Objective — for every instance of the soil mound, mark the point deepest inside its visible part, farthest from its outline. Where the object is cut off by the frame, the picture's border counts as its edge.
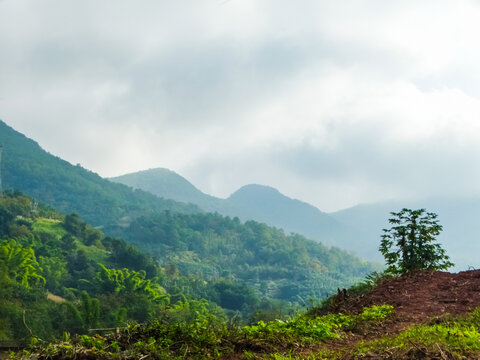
(420, 295)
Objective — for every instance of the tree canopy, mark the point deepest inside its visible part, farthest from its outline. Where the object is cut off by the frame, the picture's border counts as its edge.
(410, 244)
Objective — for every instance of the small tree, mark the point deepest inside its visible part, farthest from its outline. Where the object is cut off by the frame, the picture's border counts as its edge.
(410, 243)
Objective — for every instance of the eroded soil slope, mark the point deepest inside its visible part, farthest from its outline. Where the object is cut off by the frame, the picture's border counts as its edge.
(419, 296)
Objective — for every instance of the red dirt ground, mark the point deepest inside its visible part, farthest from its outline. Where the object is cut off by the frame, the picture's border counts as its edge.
(417, 297)
(420, 295)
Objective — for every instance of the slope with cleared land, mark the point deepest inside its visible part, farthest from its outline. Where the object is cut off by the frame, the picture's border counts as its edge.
(434, 317)
(420, 295)
(422, 301)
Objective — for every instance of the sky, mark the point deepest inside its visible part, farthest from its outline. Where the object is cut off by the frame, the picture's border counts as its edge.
(334, 103)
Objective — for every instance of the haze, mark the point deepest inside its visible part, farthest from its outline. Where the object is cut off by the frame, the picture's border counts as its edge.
(333, 103)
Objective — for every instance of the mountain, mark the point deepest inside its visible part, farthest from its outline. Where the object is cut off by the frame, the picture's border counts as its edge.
(357, 229)
(267, 204)
(63, 275)
(277, 265)
(72, 189)
(169, 185)
(251, 202)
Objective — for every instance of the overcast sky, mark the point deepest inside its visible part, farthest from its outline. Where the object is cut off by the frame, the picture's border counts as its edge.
(332, 102)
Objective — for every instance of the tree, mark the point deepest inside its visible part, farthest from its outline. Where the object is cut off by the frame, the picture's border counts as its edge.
(75, 226)
(18, 264)
(410, 243)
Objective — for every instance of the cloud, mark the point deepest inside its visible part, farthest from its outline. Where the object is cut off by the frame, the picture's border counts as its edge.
(332, 103)
(343, 131)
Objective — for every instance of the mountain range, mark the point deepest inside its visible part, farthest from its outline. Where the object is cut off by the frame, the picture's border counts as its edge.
(72, 189)
(357, 229)
(112, 206)
(266, 204)
(251, 202)
(198, 260)
(182, 237)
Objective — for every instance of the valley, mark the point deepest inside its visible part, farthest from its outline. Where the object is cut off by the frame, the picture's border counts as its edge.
(356, 229)
(183, 274)
(239, 180)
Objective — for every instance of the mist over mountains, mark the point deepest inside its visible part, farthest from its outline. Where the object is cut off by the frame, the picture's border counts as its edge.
(70, 188)
(250, 202)
(357, 229)
(459, 217)
(181, 236)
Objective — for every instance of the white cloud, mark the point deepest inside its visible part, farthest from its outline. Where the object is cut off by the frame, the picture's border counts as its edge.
(321, 99)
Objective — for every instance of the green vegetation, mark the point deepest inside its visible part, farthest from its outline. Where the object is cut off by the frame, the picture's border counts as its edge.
(249, 268)
(199, 333)
(454, 337)
(263, 258)
(19, 264)
(60, 277)
(212, 286)
(307, 329)
(72, 189)
(60, 274)
(410, 243)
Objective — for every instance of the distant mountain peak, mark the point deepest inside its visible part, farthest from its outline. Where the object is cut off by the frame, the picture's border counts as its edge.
(258, 192)
(256, 189)
(168, 184)
(251, 202)
(152, 178)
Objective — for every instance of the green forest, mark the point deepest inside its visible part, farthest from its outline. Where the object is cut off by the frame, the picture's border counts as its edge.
(59, 274)
(26, 167)
(67, 291)
(248, 269)
(287, 267)
(91, 269)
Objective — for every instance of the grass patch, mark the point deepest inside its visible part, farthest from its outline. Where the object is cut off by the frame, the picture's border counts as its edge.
(51, 226)
(447, 337)
(92, 252)
(305, 329)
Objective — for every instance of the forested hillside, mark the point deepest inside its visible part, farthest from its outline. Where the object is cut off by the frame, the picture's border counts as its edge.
(28, 168)
(266, 204)
(58, 273)
(65, 274)
(61, 278)
(138, 217)
(280, 266)
(356, 229)
(251, 202)
(41, 254)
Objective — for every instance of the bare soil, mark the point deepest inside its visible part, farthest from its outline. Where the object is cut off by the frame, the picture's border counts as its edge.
(421, 295)
(416, 297)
